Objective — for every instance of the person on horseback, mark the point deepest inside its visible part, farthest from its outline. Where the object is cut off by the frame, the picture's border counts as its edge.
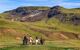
(41, 41)
(30, 40)
(37, 40)
(25, 40)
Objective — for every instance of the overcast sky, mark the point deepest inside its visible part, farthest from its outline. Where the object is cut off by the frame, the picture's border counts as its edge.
(12, 4)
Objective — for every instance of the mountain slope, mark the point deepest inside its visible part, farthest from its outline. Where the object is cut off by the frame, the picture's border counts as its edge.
(16, 30)
(56, 23)
(40, 13)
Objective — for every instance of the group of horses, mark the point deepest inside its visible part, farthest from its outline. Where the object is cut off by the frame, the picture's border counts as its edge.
(31, 41)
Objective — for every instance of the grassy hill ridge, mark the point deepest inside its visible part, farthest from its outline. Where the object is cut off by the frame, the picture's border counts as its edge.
(56, 23)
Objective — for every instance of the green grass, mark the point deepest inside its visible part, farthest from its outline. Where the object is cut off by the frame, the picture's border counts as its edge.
(8, 41)
(49, 45)
(64, 26)
(38, 48)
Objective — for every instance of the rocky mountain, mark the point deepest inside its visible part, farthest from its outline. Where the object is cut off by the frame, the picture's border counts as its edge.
(28, 13)
(33, 13)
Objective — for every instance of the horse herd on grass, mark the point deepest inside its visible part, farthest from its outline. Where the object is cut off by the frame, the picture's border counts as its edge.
(30, 41)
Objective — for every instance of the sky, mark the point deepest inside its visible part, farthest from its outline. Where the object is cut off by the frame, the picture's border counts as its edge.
(12, 4)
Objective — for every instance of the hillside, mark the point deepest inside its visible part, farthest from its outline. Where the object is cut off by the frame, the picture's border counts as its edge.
(56, 23)
(36, 13)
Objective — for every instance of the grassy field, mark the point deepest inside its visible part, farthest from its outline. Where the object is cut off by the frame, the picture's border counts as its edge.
(11, 34)
(49, 45)
(39, 48)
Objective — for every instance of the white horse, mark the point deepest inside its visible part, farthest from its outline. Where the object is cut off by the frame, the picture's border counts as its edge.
(37, 41)
(31, 40)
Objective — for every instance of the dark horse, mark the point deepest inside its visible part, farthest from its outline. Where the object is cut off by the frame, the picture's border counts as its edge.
(25, 40)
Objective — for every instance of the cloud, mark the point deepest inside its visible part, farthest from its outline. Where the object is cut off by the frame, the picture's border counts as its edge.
(12, 4)
(69, 4)
(57, 0)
